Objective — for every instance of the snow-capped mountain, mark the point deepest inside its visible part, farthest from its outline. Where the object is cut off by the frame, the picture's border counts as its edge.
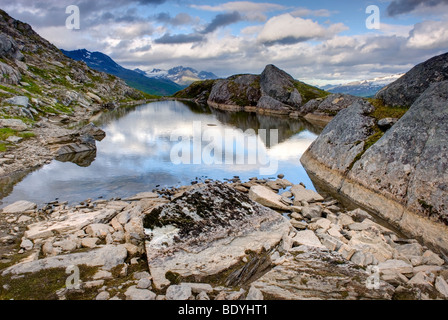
(101, 62)
(183, 76)
(364, 88)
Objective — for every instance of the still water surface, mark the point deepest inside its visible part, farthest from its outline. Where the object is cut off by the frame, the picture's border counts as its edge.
(136, 155)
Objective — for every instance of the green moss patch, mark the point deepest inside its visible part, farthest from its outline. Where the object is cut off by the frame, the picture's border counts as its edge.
(382, 111)
(309, 92)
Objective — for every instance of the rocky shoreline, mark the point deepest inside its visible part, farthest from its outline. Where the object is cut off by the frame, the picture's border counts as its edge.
(260, 239)
(52, 139)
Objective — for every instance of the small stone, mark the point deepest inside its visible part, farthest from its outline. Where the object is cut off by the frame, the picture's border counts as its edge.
(202, 296)
(103, 296)
(254, 294)
(178, 292)
(139, 294)
(442, 286)
(345, 220)
(98, 230)
(89, 242)
(26, 244)
(430, 258)
(347, 252)
(311, 212)
(144, 283)
(93, 284)
(102, 275)
(323, 223)
(298, 224)
(198, 287)
(422, 278)
(141, 275)
(307, 238)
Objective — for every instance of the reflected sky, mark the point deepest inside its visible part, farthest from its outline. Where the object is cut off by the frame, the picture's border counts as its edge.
(136, 155)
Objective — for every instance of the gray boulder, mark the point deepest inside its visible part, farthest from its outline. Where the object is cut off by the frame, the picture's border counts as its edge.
(9, 75)
(406, 90)
(343, 139)
(279, 85)
(241, 90)
(19, 100)
(9, 48)
(410, 162)
(208, 230)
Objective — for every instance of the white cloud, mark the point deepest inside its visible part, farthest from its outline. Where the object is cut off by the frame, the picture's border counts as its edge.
(286, 29)
(429, 35)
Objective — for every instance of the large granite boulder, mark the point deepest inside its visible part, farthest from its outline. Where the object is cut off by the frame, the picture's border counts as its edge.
(343, 139)
(208, 230)
(402, 175)
(410, 163)
(406, 90)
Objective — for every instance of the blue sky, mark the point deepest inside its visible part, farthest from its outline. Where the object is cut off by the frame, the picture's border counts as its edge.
(318, 41)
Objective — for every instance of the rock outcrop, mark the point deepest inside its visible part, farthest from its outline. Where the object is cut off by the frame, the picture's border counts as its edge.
(406, 90)
(400, 173)
(207, 231)
(272, 92)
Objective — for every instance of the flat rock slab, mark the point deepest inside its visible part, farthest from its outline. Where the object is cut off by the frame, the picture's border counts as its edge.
(143, 195)
(19, 207)
(395, 266)
(106, 257)
(302, 194)
(74, 221)
(267, 198)
(14, 124)
(317, 274)
(307, 238)
(208, 230)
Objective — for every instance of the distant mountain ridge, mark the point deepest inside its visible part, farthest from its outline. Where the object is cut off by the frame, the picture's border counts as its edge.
(363, 88)
(183, 76)
(101, 62)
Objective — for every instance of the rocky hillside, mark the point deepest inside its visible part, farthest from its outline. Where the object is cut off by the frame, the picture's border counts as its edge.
(272, 92)
(406, 90)
(43, 92)
(394, 165)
